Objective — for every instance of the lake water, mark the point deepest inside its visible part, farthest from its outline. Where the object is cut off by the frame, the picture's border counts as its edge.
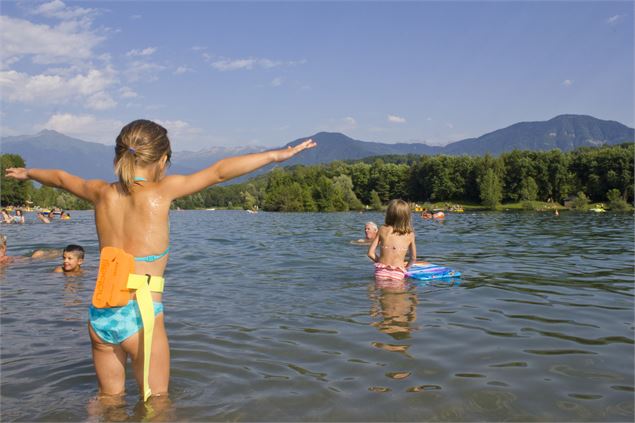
(276, 317)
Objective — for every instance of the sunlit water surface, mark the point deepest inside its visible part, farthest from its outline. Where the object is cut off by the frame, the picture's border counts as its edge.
(276, 317)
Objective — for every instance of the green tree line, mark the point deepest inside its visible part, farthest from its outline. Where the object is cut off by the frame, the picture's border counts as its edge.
(599, 174)
(23, 193)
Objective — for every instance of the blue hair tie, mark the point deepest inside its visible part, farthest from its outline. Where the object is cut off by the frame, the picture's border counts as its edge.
(132, 150)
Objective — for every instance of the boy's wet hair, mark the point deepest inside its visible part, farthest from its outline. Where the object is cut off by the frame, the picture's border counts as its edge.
(75, 249)
(398, 216)
(141, 142)
(3, 241)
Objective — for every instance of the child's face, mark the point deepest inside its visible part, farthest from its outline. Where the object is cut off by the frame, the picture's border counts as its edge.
(71, 262)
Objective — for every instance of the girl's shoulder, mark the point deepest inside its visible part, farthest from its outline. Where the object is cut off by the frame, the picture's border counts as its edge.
(385, 229)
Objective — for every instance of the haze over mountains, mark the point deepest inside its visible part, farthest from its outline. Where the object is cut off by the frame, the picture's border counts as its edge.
(50, 149)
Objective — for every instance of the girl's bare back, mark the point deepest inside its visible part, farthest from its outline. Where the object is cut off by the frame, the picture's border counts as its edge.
(393, 246)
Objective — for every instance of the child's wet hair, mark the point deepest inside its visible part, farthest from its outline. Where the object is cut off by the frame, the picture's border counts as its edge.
(398, 216)
(75, 249)
(3, 241)
(141, 142)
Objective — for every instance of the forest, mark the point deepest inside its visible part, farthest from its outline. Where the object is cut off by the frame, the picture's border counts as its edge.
(588, 175)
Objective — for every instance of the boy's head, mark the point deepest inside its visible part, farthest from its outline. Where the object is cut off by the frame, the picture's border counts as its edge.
(73, 258)
(3, 245)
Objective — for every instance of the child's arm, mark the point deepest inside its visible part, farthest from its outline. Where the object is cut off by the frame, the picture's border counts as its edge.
(413, 251)
(82, 188)
(181, 185)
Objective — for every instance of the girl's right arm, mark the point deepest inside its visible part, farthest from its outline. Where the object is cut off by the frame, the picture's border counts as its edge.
(372, 250)
(176, 186)
(82, 188)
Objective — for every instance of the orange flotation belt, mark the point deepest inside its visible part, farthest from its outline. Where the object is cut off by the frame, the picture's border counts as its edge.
(115, 282)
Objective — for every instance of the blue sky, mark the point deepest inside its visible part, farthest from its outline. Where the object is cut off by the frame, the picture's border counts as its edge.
(266, 73)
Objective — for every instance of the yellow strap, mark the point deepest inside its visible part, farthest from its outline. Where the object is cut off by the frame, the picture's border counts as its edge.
(144, 284)
(137, 281)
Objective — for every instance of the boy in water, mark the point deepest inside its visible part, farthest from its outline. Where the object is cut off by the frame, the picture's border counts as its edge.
(73, 258)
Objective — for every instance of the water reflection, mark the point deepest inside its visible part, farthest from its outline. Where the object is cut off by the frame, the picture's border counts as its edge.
(113, 408)
(395, 303)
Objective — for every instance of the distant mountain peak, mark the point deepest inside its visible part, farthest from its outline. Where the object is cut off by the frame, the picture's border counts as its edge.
(48, 132)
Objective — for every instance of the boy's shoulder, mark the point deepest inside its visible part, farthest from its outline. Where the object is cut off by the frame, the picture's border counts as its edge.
(58, 269)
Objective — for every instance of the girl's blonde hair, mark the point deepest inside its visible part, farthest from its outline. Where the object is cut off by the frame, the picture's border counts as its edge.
(141, 142)
(398, 216)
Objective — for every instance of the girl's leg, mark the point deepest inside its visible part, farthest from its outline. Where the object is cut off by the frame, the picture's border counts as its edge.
(110, 365)
(159, 376)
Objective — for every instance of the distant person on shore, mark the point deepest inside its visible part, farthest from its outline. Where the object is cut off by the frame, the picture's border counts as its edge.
(370, 232)
(72, 260)
(394, 239)
(132, 222)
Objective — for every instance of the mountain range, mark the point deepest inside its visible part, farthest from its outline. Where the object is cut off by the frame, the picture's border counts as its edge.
(50, 149)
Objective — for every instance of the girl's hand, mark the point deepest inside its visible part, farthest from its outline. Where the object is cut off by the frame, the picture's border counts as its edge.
(18, 173)
(287, 153)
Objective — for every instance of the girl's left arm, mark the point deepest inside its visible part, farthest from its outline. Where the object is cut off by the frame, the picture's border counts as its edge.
(413, 252)
(176, 186)
(80, 187)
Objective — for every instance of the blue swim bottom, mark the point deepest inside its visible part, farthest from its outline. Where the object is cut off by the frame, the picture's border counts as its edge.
(115, 324)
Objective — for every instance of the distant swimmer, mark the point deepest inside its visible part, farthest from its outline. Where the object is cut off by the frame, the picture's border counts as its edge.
(425, 214)
(19, 217)
(6, 218)
(370, 232)
(4, 258)
(43, 218)
(438, 215)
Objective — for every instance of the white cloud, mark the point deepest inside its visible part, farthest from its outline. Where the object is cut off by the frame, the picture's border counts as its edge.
(86, 127)
(143, 70)
(351, 122)
(180, 130)
(127, 92)
(567, 82)
(100, 101)
(64, 43)
(57, 9)
(226, 64)
(148, 51)
(44, 89)
(182, 69)
(396, 119)
(276, 82)
(614, 19)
